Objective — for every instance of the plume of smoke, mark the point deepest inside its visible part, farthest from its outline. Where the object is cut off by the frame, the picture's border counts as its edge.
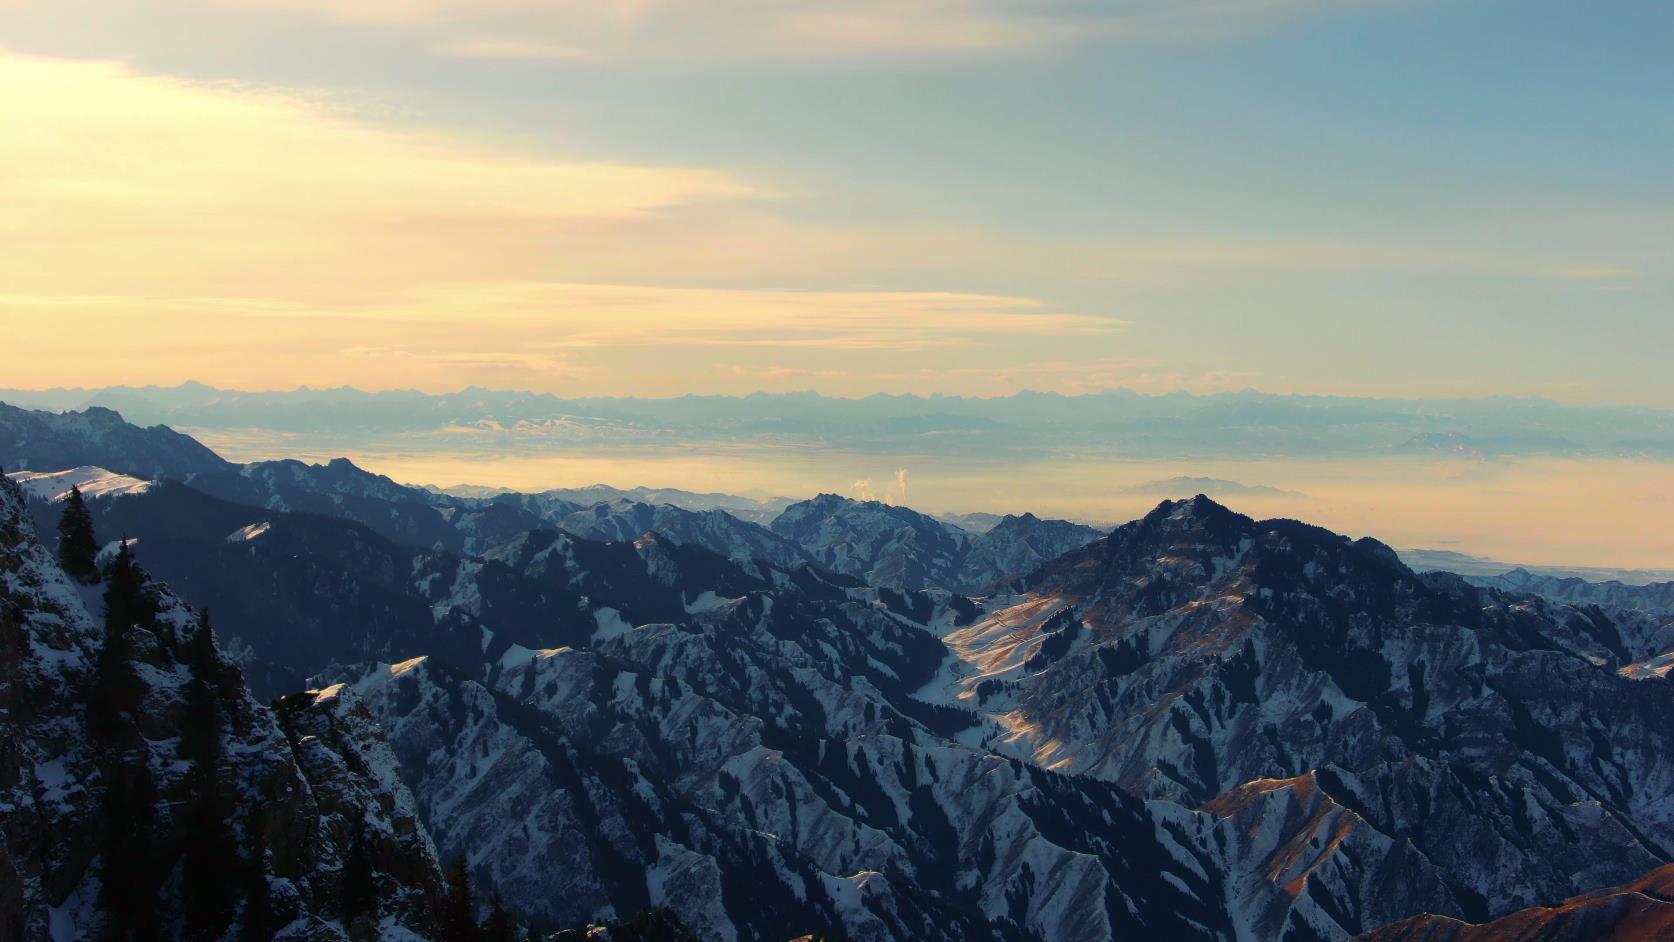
(863, 489)
(901, 483)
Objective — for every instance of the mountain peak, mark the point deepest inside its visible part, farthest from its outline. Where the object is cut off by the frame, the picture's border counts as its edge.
(1193, 512)
(1201, 505)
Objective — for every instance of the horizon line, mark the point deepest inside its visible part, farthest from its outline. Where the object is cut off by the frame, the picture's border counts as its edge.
(814, 393)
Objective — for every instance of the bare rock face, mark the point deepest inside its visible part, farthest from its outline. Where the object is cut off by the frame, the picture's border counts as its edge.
(1643, 909)
(285, 792)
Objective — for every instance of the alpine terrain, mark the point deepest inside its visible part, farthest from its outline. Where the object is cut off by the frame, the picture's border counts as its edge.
(287, 700)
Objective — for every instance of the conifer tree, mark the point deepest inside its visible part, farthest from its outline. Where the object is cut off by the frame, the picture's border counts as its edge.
(130, 875)
(116, 691)
(78, 549)
(500, 927)
(200, 739)
(126, 604)
(459, 912)
(211, 852)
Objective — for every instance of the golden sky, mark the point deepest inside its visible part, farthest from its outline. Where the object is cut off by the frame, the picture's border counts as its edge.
(650, 197)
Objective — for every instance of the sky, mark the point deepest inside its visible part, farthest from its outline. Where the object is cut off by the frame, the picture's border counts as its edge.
(656, 197)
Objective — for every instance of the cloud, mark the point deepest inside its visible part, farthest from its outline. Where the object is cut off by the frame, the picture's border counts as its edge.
(723, 31)
(119, 182)
(1594, 274)
(568, 315)
(786, 372)
(254, 236)
(545, 335)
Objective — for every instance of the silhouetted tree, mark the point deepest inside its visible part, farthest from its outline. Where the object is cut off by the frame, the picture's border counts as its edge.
(116, 690)
(200, 738)
(211, 863)
(78, 549)
(126, 601)
(500, 927)
(459, 911)
(130, 873)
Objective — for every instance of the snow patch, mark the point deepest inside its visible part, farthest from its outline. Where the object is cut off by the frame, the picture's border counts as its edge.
(610, 624)
(708, 601)
(94, 482)
(246, 534)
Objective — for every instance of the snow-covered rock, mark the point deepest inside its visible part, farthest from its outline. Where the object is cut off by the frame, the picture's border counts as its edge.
(900, 548)
(1486, 746)
(290, 786)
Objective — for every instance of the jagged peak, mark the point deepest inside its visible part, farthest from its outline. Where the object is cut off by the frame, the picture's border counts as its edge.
(104, 415)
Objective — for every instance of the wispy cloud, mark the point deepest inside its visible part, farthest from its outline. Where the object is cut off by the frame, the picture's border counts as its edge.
(801, 30)
(1584, 273)
(230, 219)
(590, 315)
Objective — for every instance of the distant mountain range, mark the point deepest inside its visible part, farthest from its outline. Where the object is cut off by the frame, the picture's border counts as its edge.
(853, 719)
(1176, 425)
(1465, 564)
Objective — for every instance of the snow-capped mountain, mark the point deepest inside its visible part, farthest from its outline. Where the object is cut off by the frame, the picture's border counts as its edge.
(1197, 726)
(878, 542)
(1015, 545)
(1347, 722)
(894, 546)
(410, 516)
(755, 510)
(1656, 598)
(716, 530)
(52, 441)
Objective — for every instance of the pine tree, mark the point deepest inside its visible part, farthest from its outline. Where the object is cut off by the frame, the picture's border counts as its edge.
(500, 926)
(200, 739)
(459, 912)
(104, 711)
(130, 875)
(126, 603)
(211, 852)
(78, 549)
(116, 690)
